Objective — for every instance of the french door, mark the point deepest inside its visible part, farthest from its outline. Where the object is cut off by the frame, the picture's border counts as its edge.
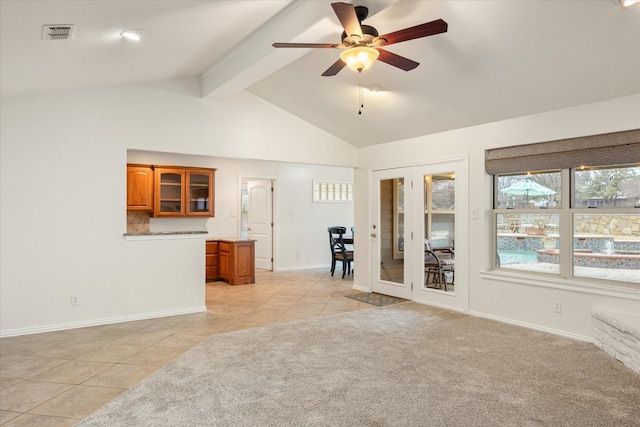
(416, 206)
(392, 267)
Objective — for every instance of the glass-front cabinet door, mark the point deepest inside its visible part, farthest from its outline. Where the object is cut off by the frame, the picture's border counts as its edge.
(183, 192)
(169, 192)
(199, 193)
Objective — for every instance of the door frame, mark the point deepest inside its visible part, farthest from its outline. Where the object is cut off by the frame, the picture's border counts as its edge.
(458, 301)
(242, 179)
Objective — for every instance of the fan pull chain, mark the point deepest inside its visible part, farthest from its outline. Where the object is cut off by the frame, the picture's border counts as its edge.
(360, 93)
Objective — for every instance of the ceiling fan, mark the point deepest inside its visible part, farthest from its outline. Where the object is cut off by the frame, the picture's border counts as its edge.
(362, 45)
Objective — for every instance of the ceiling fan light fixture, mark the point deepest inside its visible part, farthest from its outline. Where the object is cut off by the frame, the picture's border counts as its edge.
(359, 58)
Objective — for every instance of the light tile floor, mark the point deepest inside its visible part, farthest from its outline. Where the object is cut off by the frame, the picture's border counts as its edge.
(58, 378)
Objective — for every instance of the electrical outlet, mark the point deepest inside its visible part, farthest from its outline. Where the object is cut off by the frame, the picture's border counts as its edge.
(75, 300)
(557, 307)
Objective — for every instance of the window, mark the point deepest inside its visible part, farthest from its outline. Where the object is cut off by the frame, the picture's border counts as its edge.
(606, 229)
(594, 232)
(336, 192)
(527, 220)
(439, 213)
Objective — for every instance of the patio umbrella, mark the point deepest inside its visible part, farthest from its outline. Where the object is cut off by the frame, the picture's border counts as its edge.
(529, 188)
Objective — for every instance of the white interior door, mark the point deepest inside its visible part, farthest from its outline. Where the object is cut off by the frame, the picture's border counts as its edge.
(260, 221)
(390, 236)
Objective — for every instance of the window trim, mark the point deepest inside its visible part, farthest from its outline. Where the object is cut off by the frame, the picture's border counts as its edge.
(586, 285)
(566, 232)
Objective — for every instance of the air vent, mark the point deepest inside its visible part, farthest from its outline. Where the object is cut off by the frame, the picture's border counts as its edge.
(57, 32)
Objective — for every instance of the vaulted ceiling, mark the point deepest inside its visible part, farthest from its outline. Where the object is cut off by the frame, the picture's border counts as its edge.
(498, 60)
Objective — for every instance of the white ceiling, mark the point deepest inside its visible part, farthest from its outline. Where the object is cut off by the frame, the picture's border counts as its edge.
(499, 59)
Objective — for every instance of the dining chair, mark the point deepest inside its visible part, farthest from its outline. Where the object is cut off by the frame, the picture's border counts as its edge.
(339, 251)
(438, 264)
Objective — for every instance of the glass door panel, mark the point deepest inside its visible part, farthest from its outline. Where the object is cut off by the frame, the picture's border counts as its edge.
(392, 230)
(199, 192)
(439, 231)
(170, 201)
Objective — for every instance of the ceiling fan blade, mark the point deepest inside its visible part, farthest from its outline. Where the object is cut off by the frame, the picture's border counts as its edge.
(348, 18)
(311, 45)
(423, 30)
(335, 68)
(401, 62)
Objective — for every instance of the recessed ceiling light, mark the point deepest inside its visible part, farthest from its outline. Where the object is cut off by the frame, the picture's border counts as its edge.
(132, 34)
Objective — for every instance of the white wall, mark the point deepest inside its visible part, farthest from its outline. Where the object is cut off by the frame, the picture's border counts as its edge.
(529, 303)
(63, 161)
(62, 189)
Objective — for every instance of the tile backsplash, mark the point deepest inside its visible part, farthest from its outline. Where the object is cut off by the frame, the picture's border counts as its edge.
(138, 221)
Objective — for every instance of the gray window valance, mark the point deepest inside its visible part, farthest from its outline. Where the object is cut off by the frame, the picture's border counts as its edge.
(616, 148)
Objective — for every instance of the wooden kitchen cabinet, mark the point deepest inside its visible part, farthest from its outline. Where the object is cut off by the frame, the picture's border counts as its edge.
(212, 272)
(236, 261)
(139, 187)
(223, 261)
(199, 192)
(183, 192)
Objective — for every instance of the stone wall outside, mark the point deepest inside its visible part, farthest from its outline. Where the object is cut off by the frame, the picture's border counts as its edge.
(618, 226)
(613, 225)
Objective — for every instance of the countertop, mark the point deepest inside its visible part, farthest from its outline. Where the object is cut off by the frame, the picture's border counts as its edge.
(166, 235)
(158, 235)
(230, 239)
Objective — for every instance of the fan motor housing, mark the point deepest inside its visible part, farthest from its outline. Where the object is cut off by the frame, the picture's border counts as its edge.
(366, 30)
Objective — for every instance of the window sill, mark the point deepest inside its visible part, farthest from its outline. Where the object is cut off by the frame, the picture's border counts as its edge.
(626, 290)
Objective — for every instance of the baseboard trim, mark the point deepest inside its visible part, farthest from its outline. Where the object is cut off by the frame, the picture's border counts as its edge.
(446, 307)
(98, 322)
(306, 267)
(565, 334)
(361, 288)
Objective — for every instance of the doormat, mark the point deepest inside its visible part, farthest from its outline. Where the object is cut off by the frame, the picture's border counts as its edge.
(376, 299)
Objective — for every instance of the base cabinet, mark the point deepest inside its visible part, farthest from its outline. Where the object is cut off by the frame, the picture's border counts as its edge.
(235, 261)
(224, 259)
(212, 261)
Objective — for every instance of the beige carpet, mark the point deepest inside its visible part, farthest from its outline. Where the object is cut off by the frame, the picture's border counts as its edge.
(400, 365)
